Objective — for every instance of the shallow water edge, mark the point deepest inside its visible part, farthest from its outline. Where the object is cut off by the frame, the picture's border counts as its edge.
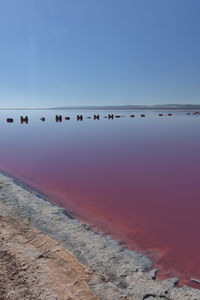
(119, 272)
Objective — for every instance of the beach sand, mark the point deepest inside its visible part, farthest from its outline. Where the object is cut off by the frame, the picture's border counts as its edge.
(45, 253)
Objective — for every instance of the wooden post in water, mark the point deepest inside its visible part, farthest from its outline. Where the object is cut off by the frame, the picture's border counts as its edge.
(96, 117)
(79, 117)
(24, 119)
(58, 118)
(111, 116)
(132, 116)
(42, 119)
(10, 120)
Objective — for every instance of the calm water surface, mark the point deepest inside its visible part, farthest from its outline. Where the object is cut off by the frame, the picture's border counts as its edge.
(138, 178)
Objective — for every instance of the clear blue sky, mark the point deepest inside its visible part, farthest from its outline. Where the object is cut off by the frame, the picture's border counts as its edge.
(99, 52)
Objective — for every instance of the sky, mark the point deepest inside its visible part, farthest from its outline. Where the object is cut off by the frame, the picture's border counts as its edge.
(99, 52)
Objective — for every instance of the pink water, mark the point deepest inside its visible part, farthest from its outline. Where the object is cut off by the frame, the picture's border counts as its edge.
(138, 179)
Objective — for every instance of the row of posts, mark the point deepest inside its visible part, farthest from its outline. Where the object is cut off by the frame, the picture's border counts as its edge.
(59, 118)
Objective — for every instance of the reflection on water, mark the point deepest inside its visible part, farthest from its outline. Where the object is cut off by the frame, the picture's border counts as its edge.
(135, 174)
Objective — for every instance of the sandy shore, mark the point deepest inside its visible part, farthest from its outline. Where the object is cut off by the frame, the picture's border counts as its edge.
(47, 254)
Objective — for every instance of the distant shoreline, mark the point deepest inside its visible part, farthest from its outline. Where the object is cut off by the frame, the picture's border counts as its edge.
(175, 107)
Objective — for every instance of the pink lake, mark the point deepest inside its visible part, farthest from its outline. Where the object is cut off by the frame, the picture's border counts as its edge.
(136, 178)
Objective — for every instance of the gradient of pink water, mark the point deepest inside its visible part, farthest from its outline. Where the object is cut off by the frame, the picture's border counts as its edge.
(138, 179)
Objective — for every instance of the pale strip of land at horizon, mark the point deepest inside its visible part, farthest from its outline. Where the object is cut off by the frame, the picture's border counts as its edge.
(113, 107)
(47, 254)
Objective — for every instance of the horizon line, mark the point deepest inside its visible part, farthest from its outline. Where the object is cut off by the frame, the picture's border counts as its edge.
(128, 106)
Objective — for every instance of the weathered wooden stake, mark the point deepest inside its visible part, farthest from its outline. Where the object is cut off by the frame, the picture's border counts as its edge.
(10, 120)
(111, 116)
(24, 119)
(96, 117)
(58, 118)
(79, 117)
